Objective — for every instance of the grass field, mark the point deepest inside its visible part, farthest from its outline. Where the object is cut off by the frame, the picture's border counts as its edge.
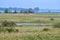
(27, 17)
(32, 32)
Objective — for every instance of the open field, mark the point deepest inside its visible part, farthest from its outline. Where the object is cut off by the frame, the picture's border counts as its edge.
(32, 32)
(30, 17)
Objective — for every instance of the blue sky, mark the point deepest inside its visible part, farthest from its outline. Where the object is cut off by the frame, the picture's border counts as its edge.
(42, 4)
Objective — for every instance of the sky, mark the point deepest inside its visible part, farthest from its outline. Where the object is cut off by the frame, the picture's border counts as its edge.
(42, 4)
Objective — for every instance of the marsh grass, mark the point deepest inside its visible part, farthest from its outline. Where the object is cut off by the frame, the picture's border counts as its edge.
(32, 33)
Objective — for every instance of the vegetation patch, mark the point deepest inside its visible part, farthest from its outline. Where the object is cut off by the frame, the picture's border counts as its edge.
(52, 19)
(46, 29)
(8, 24)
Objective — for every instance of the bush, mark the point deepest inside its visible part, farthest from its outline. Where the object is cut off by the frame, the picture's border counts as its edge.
(52, 19)
(46, 29)
(56, 25)
(8, 24)
(9, 30)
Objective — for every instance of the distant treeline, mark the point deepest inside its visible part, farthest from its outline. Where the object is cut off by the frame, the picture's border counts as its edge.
(19, 10)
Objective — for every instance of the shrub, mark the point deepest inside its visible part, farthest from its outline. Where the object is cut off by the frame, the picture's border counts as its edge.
(52, 19)
(56, 25)
(9, 30)
(46, 29)
(8, 24)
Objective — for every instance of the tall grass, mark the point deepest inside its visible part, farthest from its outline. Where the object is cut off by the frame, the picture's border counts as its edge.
(38, 36)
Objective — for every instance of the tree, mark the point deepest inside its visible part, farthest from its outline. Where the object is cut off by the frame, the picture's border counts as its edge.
(6, 11)
(15, 11)
(30, 10)
(23, 11)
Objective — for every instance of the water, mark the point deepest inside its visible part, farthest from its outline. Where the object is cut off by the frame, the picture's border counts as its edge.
(33, 24)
